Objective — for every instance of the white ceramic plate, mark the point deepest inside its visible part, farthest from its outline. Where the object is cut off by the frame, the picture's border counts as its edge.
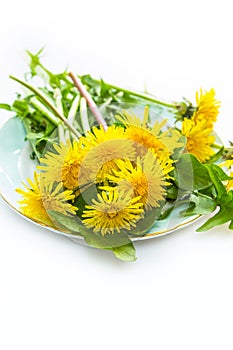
(16, 166)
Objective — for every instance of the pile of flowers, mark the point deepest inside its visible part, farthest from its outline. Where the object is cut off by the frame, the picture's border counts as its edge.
(110, 180)
(126, 167)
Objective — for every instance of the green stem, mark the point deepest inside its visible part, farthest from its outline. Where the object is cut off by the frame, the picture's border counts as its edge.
(58, 99)
(83, 115)
(140, 95)
(49, 104)
(72, 113)
(73, 109)
(58, 102)
(214, 145)
(27, 127)
(44, 110)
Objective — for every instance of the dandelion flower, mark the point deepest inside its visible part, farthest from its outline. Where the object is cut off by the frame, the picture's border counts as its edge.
(131, 118)
(39, 197)
(63, 165)
(199, 139)
(103, 148)
(207, 108)
(112, 212)
(143, 140)
(146, 137)
(146, 179)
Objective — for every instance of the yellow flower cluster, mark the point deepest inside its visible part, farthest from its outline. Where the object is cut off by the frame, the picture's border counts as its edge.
(127, 166)
(199, 129)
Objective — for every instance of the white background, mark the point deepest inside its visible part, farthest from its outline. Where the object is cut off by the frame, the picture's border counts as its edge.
(55, 294)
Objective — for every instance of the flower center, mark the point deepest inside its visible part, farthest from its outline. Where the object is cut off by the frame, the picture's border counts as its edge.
(190, 145)
(140, 185)
(112, 211)
(70, 172)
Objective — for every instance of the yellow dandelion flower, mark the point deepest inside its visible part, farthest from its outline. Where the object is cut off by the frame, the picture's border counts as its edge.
(98, 135)
(146, 137)
(166, 164)
(63, 165)
(144, 140)
(39, 197)
(199, 139)
(103, 148)
(170, 139)
(112, 212)
(207, 108)
(146, 179)
(132, 119)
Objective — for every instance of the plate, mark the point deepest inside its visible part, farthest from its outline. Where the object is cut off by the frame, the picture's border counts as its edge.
(16, 166)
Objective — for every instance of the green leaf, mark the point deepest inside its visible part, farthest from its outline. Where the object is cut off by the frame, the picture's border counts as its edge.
(190, 174)
(88, 80)
(168, 208)
(85, 198)
(126, 252)
(217, 175)
(172, 192)
(34, 135)
(5, 106)
(200, 205)
(104, 91)
(178, 151)
(71, 223)
(21, 107)
(218, 219)
(231, 225)
(224, 214)
(34, 60)
(216, 156)
(107, 241)
(219, 172)
(144, 224)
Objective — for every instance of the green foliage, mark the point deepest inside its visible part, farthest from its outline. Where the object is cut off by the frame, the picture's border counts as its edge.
(216, 156)
(185, 109)
(5, 106)
(190, 174)
(144, 224)
(70, 224)
(126, 252)
(172, 192)
(224, 200)
(205, 182)
(200, 204)
(38, 116)
(208, 191)
(224, 215)
(85, 198)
